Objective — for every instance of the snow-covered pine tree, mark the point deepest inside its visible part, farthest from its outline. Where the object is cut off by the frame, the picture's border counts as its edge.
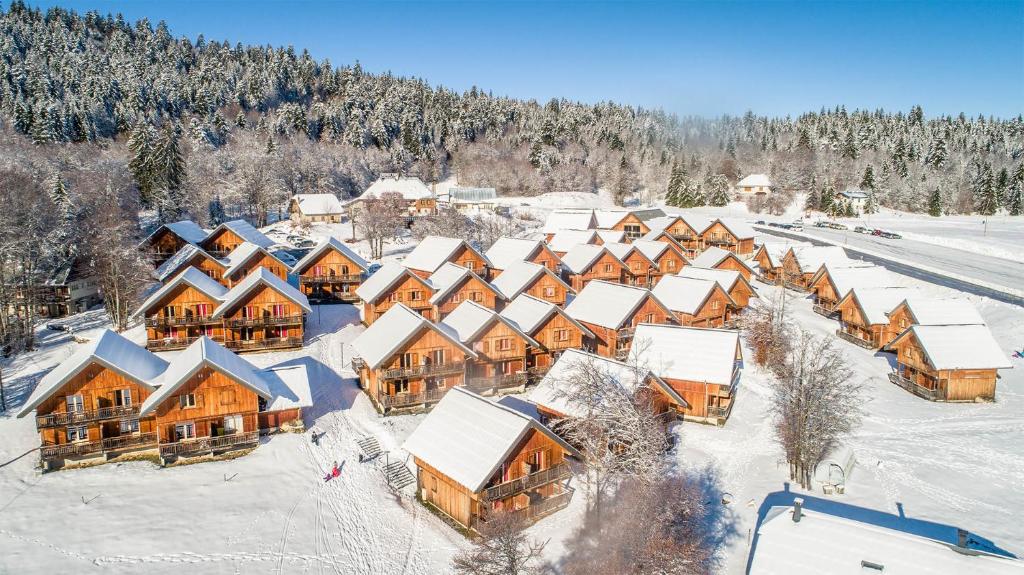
(867, 181)
(983, 189)
(935, 203)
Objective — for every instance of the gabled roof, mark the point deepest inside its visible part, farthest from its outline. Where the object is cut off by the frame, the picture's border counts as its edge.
(111, 350)
(244, 230)
(288, 385)
(318, 204)
(713, 256)
(607, 236)
(687, 353)
(686, 295)
(530, 313)
(957, 346)
(565, 240)
(553, 390)
(180, 258)
(775, 251)
(411, 187)
(331, 243)
(653, 249)
(205, 352)
(738, 228)
(755, 180)
(725, 278)
(384, 279)
(568, 219)
(507, 251)
(932, 311)
(260, 276)
(695, 222)
(193, 277)
(433, 251)
(187, 230)
(811, 258)
(449, 277)
(854, 194)
(843, 279)
(394, 329)
(623, 251)
(520, 275)
(467, 437)
(876, 302)
(471, 320)
(608, 304)
(579, 259)
(244, 253)
(607, 219)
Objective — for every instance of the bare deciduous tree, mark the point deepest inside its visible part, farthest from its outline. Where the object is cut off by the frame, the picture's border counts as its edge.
(503, 548)
(379, 219)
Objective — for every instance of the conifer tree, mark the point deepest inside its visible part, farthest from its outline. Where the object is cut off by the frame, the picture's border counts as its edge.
(986, 200)
(140, 164)
(867, 182)
(935, 203)
(827, 200)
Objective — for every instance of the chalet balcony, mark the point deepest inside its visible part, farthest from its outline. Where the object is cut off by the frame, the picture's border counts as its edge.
(328, 297)
(77, 417)
(825, 310)
(535, 479)
(331, 279)
(425, 370)
(625, 333)
(265, 320)
(93, 447)
(684, 237)
(204, 445)
(720, 242)
(541, 508)
(721, 412)
(560, 345)
(916, 388)
(168, 344)
(219, 253)
(497, 382)
(401, 400)
(622, 354)
(185, 320)
(866, 344)
(263, 344)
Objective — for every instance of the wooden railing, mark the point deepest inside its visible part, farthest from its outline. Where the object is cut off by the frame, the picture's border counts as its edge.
(349, 297)
(93, 447)
(541, 508)
(266, 343)
(625, 333)
(497, 382)
(175, 343)
(407, 399)
(184, 320)
(424, 370)
(825, 311)
(721, 412)
(520, 484)
(129, 441)
(209, 444)
(340, 278)
(855, 340)
(916, 388)
(74, 417)
(264, 320)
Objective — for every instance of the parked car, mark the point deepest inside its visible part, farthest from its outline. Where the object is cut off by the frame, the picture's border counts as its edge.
(839, 226)
(304, 243)
(796, 226)
(759, 222)
(876, 232)
(54, 326)
(891, 235)
(821, 224)
(860, 230)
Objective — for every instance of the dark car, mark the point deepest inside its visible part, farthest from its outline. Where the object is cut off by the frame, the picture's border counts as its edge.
(759, 222)
(892, 235)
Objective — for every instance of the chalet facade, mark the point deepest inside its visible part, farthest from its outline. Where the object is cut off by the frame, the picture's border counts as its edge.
(229, 235)
(434, 251)
(455, 285)
(566, 240)
(315, 208)
(168, 239)
(701, 365)
(394, 284)
(667, 257)
(863, 318)
(920, 310)
(685, 231)
(181, 311)
(834, 280)
(769, 257)
(535, 280)
(553, 330)
(802, 263)
(948, 362)
(331, 273)
(696, 302)
(586, 263)
(730, 235)
(476, 458)
(67, 289)
(754, 185)
(420, 199)
(718, 258)
(634, 223)
(612, 311)
(191, 256)
(508, 251)
(405, 361)
(733, 282)
(247, 258)
(639, 267)
(263, 313)
(502, 349)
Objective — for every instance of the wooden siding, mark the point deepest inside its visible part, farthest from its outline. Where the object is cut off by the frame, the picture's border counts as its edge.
(951, 384)
(185, 300)
(713, 313)
(260, 303)
(402, 292)
(607, 267)
(638, 269)
(470, 289)
(216, 396)
(273, 265)
(223, 240)
(549, 289)
(633, 226)
(607, 343)
(164, 244)
(204, 263)
(852, 321)
(417, 349)
(492, 356)
(732, 262)
(548, 335)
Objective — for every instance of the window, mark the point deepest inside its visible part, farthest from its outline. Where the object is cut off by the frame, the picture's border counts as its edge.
(129, 426)
(408, 360)
(469, 265)
(476, 296)
(185, 430)
(457, 298)
(393, 297)
(715, 305)
(187, 400)
(670, 264)
(561, 335)
(122, 397)
(437, 357)
(637, 265)
(433, 484)
(169, 311)
(401, 386)
(318, 270)
(608, 268)
(207, 330)
(232, 423)
(78, 433)
(75, 403)
(344, 270)
(203, 310)
(903, 323)
(415, 295)
(504, 344)
(549, 292)
(649, 318)
(278, 310)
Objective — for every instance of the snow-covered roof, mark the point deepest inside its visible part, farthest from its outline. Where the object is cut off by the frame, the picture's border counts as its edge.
(507, 251)
(725, 278)
(242, 254)
(696, 222)
(204, 352)
(109, 349)
(449, 277)
(623, 251)
(958, 346)
(318, 204)
(180, 258)
(933, 311)
(713, 256)
(565, 240)
(775, 251)
(828, 543)
(260, 276)
(687, 353)
(520, 275)
(559, 220)
(608, 236)
(607, 304)
(607, 219)
(811, 258)
(394, 329)
(411, 187)
(193, 277)
(244, 230)
(579, 259)
(433, 251)
(854, 194)
(552, 391)
(288, 386)
(185, 229)
(383, 279)
(742, 230)
(331, 243)
(529, 314)
(754, 180)
(876, 302)
(467, 437)
(470, 320)
(653, 250)
(684, 294)
(846, 278)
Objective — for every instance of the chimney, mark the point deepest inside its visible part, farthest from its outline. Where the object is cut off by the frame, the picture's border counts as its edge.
(798, 509)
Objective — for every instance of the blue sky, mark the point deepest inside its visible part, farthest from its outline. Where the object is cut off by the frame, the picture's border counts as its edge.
(701, 58)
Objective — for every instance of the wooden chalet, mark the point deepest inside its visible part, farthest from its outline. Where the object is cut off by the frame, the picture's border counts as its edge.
(701, 365)
(863, 318)
(612, 312)
(434, 251)
(419, 198)
(732, 281)
(476, 458)
(247, 258)
(639, 267)
(802, 263)
(568, 219)
(921, 310)
(168, 239)
(566, 240)
(394, 284)
(507, 252)
(730, 235)
(181, 311)
(191, 256)
(667, 256)
(553, 394)
(455, 284)
(551, 328)
(684, 231)
(633, 223)
(331, 273)
(535, 280)
(70, 287)
(405, 361)
(718, 258)
(502, 349)
(833, 282)
(229, 235)
(948, 362)
(769, 257)
(586, 263)
(263, 313)
(696, 302)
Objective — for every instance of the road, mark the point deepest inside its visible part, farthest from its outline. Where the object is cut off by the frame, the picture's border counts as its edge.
(968, 265)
